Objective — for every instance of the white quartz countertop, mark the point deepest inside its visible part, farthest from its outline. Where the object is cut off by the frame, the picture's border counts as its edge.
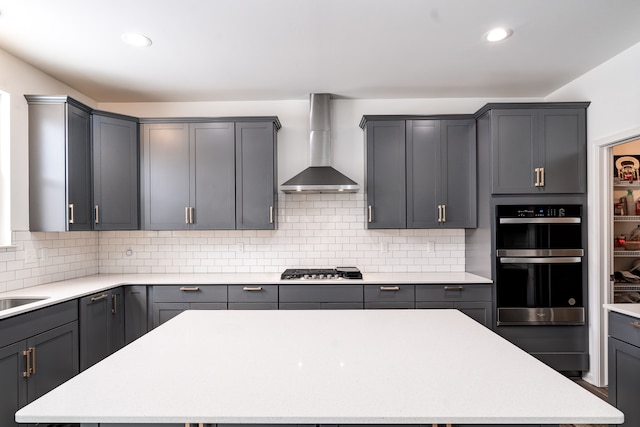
(324, 366)
(57, 292)
(628, 309)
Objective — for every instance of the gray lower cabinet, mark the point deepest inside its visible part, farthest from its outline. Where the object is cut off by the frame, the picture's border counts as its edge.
(116, 194)
(253, 297)
(537, 148)
(315, 297)
(389, 296)
(474, 300)
(420, 171)
(38, 352)
(624, 366)
(168, 300)
(59, 164)
(136, 322)
(102, 318)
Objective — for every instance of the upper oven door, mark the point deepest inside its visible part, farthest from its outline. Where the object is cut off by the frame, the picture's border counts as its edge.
(538, 233)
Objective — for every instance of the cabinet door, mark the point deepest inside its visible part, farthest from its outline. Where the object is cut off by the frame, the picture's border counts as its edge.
(13, 386)
(386, 174)
(135, 312)
(624, 380)
(563, 150)
(255, 176)
(212, 152)
(478, 311)
(458, 176)
(163, 311)
(116, 320)
(514, 151)
(95, 315)
(55, 359)
(79, 169)
(165, 177)
(115, 174)
(424, 173)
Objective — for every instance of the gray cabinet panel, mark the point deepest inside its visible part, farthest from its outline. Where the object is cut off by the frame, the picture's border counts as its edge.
(389, 293)
(479, 311)
(212, 187)
(620, 327)
(163, 311)
(453, 292)
(56, 360)
(115, 173)
(563, 150)
(255, 175)
(321, 305)
(252, 306)
(59, 164)
(165, 178)
(13, 386)
(321, 293)
(424, 172)
(624, 380)
(385, 174)
(253, 293)
(373, 305)
(135, 312)
(190, 293)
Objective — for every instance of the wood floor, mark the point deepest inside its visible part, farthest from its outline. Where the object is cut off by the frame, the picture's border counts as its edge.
(601, 392)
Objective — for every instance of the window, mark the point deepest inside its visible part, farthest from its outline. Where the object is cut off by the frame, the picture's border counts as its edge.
(5, 193)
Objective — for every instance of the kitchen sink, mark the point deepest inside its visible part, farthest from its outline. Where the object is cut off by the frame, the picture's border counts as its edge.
(7, 303)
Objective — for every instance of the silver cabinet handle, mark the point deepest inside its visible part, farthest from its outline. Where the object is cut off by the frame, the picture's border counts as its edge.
(444, 213)
(252, 288)
(71, 220)
(189, 288)
(390, 288)
(537, 170)
(33, 360)
(541, 260)
(439, 213)
(635, 324)
(270, 214)
(191, 214)
(114, 304)
(97, 214)
(370, 211)
(28, 370)
(541, 177)
(98, 298)
(186, 214)
(454, 288)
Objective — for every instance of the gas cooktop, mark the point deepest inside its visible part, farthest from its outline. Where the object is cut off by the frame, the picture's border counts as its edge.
(321, 273)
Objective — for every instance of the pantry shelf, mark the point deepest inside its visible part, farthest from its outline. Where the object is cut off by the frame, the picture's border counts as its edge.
(626, 254)
(626, 218)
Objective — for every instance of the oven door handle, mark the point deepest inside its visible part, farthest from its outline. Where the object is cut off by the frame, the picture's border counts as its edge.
(542, 260)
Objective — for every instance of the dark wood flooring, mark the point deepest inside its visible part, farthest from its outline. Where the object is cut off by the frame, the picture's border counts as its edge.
(601, 392)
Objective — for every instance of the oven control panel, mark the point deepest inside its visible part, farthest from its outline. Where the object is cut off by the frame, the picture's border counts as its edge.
(546, 211)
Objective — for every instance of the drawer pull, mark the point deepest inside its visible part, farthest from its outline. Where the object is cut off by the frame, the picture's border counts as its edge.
(98, 298)
(252, 289)
(189, 288)
(454, 288)
(389, 288)
(635, 324)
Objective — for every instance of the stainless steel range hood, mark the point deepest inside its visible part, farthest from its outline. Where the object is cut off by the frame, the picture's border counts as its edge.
(320, 177)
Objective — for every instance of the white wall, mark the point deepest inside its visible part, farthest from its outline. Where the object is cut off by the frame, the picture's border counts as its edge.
(614, 115)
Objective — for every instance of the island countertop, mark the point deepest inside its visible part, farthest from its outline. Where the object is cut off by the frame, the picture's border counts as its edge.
(629, 309)
(66, 290)
(321, 367)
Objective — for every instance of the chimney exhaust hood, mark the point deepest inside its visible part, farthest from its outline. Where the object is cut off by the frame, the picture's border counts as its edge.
(320, 177)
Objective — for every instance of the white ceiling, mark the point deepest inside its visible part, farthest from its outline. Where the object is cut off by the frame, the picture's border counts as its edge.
(285, 49)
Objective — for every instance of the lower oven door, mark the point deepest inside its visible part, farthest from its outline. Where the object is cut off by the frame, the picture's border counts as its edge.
(540, 290)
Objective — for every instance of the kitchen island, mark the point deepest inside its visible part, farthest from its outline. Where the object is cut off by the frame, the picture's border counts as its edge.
(320, 367)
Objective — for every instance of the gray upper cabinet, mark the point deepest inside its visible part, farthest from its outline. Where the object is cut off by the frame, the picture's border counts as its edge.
(115, 172)
(256, 175)
(208, 175)
(420, 172)
(538, 149)
(441, 171)
(385, 167)
(59, 164)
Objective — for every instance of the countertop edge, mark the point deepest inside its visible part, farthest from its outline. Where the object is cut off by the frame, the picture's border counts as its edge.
(630, 309)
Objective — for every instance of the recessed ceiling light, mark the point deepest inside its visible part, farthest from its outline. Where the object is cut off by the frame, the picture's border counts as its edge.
(136, 39)
(498, 34)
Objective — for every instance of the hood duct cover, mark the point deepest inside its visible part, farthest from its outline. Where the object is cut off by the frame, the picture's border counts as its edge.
(320, 177)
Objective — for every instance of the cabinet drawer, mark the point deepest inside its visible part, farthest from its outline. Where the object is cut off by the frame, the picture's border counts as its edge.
(388, 293)
(190, 293)
(321, 293)
(17, 327)
(453, 292)
(625, 328)
(253, 293)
